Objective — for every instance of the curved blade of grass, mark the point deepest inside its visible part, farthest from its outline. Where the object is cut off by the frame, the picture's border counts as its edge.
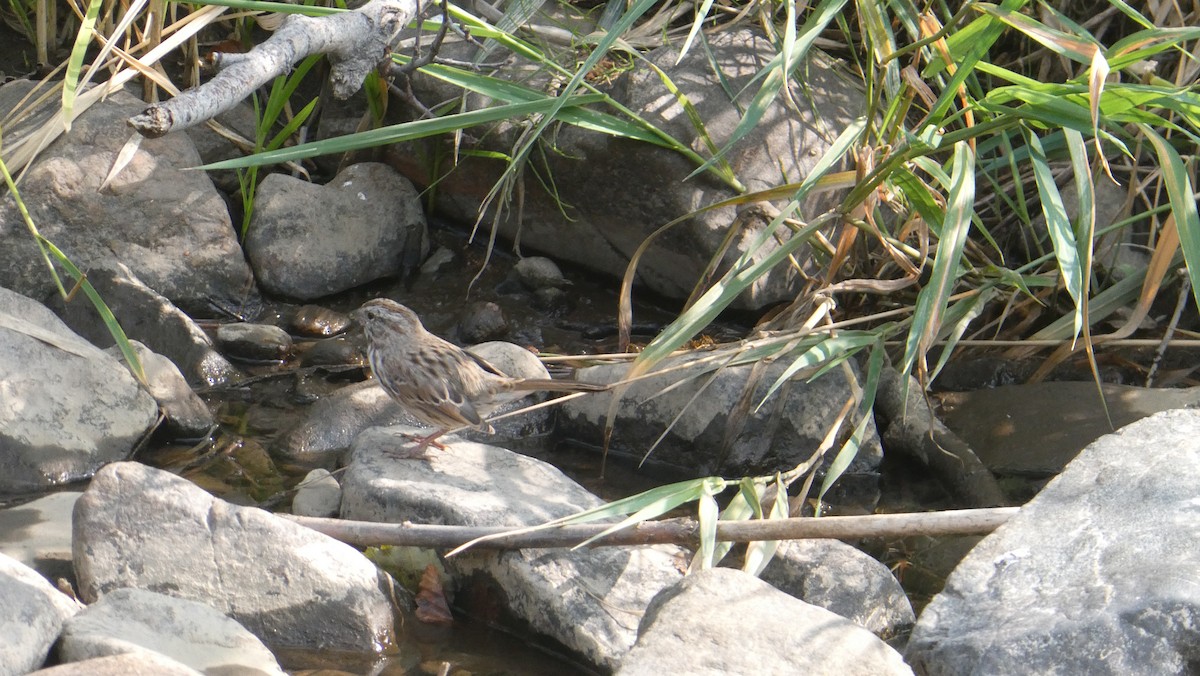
(1058, 226)
(760, 552)
(849, 450)
(512, 92)
(1183, 204)
(707, 514)
(401, 132)
(745, 504)
(697, 24)
(653, 502)
(821, 353)
(75, 63)
(931, 301)
(277, 7)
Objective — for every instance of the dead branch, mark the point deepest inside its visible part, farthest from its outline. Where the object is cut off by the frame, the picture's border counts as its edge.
(356, 43)
(669, 531)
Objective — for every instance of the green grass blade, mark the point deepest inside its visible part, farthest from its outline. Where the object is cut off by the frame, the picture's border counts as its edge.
(932, 300)
(1183, 205)
(400, 132)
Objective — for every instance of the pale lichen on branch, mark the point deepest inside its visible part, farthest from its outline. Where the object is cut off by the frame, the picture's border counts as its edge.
(356, 43)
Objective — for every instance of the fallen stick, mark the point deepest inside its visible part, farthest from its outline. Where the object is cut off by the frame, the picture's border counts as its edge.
(681, 531)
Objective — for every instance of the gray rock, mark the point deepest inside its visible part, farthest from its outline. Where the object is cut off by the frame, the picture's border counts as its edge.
(724, 621)
(331, 352)
(307, 241)
(170, 226)
(322, 322)
(332, 423)
(186, 414)
(127, 664)
(38, 534)
(778, 436)
(31, 615)
(191, 633)
(539, 272)
(1093, 576)
(319, 494)
(610, 193)
(589, 600)
(483, 321)
(149, 317)
(69, 407)
(254, 342)
(144, 528)
(842, 580)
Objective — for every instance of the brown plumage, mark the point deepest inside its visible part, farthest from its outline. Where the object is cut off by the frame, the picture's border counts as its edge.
(439, 383)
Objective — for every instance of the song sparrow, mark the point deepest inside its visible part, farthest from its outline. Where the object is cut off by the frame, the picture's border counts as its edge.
(438, 382)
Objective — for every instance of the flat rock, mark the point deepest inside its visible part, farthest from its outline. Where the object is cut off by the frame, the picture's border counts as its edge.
(588, 600)
(724, 621)
(144, 528)
(191, 633)
(1095, 575)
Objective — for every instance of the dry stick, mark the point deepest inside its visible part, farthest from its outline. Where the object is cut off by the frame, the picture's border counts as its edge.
(668, 531)
(356, 42)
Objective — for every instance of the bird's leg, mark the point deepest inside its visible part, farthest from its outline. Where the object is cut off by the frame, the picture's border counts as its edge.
(423, 443)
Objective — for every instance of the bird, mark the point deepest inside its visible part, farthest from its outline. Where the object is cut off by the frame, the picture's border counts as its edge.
(439, 383)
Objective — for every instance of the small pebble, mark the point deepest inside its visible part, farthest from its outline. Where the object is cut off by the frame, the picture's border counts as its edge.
(254, 342)
(335, 352)
(483, 322)
(314, 320)
(539, 272)
(319, 494)
(440, 258)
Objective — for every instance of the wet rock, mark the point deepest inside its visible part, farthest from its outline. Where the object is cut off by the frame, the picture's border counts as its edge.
(589, 600)
(308, 241)
(1092, 576)
(191, 633)
(68, 407)
(539, 272)
(777, 436)
(334, 420)
(842, 580)
(31, 615)
(482, 322)
(38, 534)
(333, 352)
(319, 494)
(314, 320)
(254, 342)
(724, 621)
(186, 414)
(144, 528)
(167, 224)
(437, 261)
(610, 193)
(152, 319)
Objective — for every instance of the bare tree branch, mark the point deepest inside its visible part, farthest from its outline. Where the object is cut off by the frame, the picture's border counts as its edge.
(356, 43)
(672, 531)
